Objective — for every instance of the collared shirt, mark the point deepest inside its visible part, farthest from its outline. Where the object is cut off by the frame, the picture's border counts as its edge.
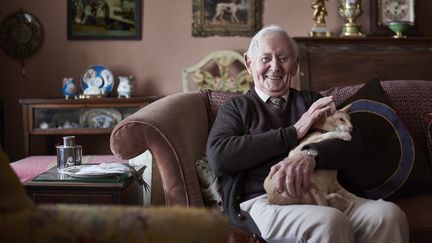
(264, 97)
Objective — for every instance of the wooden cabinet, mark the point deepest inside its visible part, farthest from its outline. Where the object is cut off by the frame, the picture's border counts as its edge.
(329, 62)
(88, 119)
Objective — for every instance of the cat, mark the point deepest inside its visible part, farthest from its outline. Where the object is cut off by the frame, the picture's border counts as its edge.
(324, 188)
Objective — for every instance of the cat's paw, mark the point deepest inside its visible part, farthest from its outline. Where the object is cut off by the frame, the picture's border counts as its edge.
(346, 136)
(337, 201)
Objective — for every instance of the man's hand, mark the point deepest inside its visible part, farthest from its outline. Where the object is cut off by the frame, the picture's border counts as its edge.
(293, 174)
(319, 107)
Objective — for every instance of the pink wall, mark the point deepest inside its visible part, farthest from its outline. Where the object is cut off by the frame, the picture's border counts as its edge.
(156, 61)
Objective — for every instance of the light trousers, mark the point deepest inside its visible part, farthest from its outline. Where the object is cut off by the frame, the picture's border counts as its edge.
(370, 221)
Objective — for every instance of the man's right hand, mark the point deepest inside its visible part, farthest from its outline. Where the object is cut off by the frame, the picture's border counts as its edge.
(293, 173)
(319, 107)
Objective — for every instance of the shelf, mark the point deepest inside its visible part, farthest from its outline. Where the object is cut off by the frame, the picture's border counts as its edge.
(78, 117)
(70, 131)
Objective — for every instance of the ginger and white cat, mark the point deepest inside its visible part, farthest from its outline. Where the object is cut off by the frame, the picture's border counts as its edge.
(324, 188)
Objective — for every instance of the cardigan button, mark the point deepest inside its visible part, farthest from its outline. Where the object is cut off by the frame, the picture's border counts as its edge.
(241, 216)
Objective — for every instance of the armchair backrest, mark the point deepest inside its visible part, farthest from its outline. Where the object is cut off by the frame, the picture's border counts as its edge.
(214, 100)
(175, 130)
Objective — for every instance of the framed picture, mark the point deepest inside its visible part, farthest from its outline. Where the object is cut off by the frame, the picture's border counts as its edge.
(226, 18)
(103, 19)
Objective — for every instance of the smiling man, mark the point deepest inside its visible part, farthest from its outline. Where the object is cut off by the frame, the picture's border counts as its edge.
(251, 137)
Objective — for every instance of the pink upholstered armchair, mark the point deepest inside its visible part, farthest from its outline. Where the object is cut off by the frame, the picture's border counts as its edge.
(175, 130)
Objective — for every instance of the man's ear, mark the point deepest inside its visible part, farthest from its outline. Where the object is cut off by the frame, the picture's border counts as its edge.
(247, 61)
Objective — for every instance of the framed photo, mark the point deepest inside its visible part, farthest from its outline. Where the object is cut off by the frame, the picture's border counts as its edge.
(384, 11)
(224, 18)
(103, 19)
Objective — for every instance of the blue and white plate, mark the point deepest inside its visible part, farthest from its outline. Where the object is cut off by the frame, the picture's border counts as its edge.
(97, 81)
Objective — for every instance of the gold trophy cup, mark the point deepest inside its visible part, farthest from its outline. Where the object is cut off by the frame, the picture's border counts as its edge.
(350, 9)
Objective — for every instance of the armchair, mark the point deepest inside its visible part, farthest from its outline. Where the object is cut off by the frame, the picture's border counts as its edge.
(175, 130)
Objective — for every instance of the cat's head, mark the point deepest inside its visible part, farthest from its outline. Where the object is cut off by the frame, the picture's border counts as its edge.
(338, 121)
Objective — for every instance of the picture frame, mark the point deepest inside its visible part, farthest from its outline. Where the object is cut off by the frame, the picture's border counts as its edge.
(104, 19)
(238, 18)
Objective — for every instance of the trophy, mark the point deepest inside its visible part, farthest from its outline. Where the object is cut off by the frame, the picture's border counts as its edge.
(320, 28)
(398, 27)
(350, 9)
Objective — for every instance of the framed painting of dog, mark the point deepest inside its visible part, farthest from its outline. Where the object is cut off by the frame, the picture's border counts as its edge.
(103, 19)
(226, 17)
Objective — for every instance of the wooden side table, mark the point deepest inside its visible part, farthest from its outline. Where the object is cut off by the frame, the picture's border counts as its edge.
(54, 187)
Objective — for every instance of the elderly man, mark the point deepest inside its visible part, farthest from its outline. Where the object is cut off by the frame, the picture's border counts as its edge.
(251, 138)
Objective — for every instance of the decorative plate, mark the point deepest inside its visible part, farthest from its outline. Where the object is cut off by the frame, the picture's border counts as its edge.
(21, 35)
(97, 81)
(73, 172)
(100, 118)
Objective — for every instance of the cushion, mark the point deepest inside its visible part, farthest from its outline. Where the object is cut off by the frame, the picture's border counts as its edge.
(209, 183)
(428, 121)
(392, 165)
(410, 98)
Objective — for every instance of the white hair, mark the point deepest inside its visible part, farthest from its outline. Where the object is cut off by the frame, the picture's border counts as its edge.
(271, 29)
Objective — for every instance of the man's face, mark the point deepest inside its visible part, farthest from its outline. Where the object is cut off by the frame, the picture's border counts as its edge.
(272, 64)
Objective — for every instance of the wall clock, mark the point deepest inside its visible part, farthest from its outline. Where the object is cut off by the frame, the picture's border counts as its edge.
(384, 11)
(21, 35)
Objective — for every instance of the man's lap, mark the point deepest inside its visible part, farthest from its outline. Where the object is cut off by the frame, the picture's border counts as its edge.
(292, 221)
(299, 221)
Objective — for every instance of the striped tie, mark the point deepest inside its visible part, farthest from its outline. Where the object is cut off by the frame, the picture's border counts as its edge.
(277, 102)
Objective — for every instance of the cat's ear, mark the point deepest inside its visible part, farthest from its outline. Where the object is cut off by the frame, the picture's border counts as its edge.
(331, 111)
(346, 108)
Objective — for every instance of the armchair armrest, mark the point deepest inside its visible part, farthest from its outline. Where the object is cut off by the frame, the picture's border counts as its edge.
(105, 223)
(175, 130)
